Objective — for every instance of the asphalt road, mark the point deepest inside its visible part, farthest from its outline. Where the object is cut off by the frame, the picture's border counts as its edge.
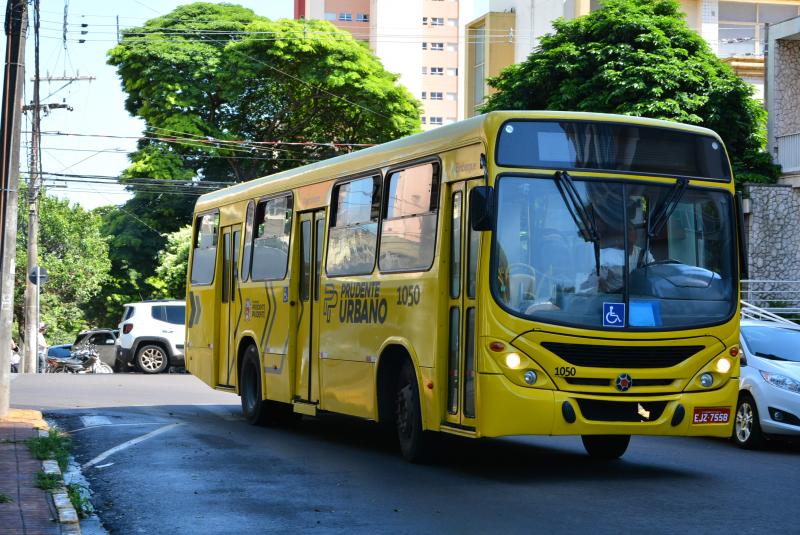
(211, 472)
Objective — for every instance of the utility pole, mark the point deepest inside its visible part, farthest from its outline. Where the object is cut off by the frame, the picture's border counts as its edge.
(32, 312)
(30, 359)
(10, 125)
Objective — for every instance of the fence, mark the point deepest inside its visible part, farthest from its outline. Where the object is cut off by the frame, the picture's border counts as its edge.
(777, 297)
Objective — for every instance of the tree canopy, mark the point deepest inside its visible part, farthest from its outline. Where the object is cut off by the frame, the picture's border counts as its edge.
(173, 262)
(75, 254)
(227, 96)
(637, 57)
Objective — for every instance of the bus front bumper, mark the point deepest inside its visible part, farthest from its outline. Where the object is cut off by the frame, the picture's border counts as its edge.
(508, 409)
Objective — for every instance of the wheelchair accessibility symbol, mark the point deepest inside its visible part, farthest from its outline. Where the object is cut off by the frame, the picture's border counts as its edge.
(613, 314)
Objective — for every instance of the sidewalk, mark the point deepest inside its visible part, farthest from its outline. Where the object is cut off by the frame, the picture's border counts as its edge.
(31, 510)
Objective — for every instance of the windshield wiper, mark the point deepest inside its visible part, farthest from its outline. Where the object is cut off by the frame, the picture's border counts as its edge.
(664, 211)
(656, 219)
(577, 209)
(769, 356)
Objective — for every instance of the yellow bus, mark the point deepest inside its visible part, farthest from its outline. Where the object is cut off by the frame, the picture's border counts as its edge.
(518, 273)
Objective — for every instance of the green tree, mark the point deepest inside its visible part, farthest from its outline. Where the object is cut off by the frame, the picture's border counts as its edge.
(173, 261)
(213, 83)
(638, 57)
(75, 254)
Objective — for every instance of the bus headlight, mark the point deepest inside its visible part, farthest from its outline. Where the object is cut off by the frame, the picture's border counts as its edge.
(706, 379)
(723, 365)
(513, 361)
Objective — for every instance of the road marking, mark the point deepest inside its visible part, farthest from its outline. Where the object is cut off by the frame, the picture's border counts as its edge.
(90, 421)
(112, 425)
(103, 456)
(104, 465)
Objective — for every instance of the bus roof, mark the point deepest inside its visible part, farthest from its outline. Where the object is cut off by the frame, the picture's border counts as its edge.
(434, 141)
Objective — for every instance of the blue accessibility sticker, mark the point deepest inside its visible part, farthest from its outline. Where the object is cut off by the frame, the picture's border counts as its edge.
(613, 314)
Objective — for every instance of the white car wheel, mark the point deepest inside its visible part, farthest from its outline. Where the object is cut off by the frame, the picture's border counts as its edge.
(746, 427)
(151, 359)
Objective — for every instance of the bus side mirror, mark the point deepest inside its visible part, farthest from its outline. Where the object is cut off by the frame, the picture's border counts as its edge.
(481, 208)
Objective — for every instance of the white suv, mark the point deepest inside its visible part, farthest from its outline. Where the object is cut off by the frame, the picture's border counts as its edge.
(151, 335)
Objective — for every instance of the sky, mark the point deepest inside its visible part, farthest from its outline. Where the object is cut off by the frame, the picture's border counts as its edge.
(98, 106)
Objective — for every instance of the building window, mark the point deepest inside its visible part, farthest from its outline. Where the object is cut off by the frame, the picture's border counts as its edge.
(438, 47)
(452, 71)
(424, 21)
(452, 22)
(437, 71)
(437, 121)
(424, 70)
(452, 47)
(346, 17)
(353, 236)
(436, 95)
(479, 53)
(452, 96)
(437, 21)
(408, 231)
(424, 95)
(742, 26)
(330, 16)
(424, 45)
(423, 119)
(362, 17)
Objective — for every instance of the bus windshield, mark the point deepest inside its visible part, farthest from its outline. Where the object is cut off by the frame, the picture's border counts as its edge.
(614, 255)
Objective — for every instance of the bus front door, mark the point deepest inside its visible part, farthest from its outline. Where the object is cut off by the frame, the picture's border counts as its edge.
(464, 249)
(228, 306)
(312, 234)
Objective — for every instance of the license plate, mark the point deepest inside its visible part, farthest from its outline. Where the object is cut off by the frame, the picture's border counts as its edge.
(711, 415)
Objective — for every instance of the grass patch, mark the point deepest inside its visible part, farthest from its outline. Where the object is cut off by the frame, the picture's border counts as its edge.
(5, 499)
(77, 495)
(53, 446)
(48, 481)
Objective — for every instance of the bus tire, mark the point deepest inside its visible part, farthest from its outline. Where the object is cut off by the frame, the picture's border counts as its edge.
(606, 447)
(414, 442)
(254, 408)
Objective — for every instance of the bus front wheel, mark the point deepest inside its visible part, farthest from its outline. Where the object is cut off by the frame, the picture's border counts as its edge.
(414, 442)
(606, 447)
(253, 406)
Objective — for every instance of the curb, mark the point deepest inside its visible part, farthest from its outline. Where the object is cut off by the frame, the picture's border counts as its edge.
(67, 516)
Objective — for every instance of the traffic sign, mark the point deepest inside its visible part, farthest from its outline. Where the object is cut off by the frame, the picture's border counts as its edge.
(42, 275)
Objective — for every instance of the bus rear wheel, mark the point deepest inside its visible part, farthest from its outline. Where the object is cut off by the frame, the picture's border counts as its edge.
(606, 447)
(414, 441)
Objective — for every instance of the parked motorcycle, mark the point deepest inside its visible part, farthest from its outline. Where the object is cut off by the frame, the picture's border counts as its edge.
(83, 360)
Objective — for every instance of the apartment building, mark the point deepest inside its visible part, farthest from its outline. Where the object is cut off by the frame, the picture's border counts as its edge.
(734, 29)
(417, 39)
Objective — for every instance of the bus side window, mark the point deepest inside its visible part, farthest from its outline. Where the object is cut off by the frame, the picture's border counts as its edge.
(408, 232)
(272, 230)
(353, 236)
(247, 248)
(204, 255)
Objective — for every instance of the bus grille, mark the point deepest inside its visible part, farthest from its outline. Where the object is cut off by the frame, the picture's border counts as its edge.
(621, 356)
(599, 381)
(621, 411)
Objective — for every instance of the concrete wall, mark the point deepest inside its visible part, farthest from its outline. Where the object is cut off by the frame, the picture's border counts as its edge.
(772, 224)
(787, 87)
